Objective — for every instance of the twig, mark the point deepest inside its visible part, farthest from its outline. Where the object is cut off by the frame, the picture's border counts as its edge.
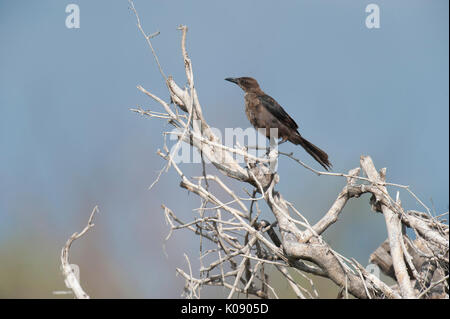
(147, 38)
(423, 293)
(70, 278)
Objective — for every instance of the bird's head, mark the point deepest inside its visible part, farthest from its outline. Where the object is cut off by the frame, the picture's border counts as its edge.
(246, 83)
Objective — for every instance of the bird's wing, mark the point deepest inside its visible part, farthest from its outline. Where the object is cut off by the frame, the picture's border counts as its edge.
(277, 110)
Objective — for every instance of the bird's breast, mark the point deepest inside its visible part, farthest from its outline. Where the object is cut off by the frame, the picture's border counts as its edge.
(252, 109)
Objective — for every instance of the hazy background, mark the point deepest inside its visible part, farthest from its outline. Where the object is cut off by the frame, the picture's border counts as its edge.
(68, 141)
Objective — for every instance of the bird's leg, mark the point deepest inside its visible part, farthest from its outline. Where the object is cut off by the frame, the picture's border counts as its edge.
(273, 154)
(257, 148)
(273, 144)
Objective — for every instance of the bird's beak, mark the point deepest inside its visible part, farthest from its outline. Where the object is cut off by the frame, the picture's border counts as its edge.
(234, 80)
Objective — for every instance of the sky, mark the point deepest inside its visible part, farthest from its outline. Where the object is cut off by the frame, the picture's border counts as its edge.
(69, 142)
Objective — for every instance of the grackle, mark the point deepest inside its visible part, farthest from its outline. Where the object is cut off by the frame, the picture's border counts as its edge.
(264, 112)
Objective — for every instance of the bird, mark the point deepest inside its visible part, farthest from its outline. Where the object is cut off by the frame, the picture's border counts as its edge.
(264, 112)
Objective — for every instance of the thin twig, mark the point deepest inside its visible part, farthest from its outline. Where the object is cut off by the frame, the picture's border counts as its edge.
(70, 278)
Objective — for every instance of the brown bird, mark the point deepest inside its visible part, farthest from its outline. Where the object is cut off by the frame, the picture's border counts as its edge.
(264, 112)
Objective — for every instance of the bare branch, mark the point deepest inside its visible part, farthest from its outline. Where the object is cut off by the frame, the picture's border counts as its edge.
(69, 275)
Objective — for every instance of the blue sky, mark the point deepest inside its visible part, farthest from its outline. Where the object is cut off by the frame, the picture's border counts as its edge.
(68, 141)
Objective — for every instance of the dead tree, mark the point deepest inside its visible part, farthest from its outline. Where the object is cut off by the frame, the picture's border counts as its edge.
(243, 246)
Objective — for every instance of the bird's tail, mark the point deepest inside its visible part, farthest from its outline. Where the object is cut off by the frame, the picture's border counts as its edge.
(319, 155)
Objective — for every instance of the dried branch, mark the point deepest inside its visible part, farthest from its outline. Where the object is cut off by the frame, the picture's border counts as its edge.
(70, 278)
(394, 230)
